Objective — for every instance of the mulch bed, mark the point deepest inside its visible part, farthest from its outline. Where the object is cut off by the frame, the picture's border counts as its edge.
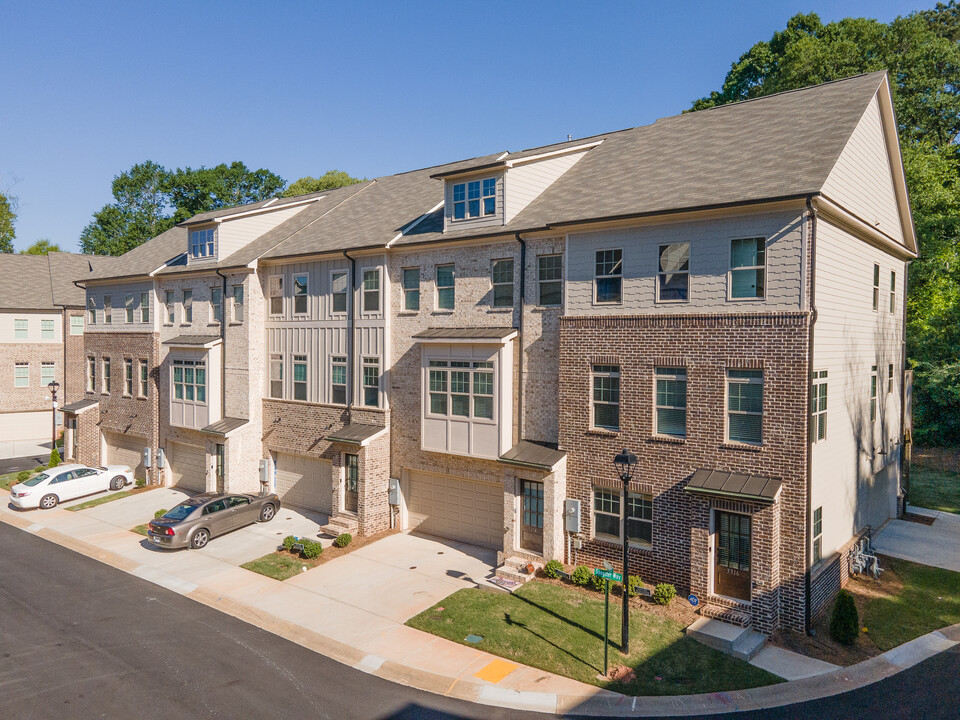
(922, 519)
(332, 552)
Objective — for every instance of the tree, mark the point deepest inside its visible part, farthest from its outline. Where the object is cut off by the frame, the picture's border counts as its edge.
(328, 181)
(41, 247)
(8, 217)
(197, 191)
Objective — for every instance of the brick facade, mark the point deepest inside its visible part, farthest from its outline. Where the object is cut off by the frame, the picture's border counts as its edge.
(706, 345)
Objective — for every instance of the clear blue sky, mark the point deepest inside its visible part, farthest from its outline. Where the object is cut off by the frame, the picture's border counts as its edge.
(372, 88)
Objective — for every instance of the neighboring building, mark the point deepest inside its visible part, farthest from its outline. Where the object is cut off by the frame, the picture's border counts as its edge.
(464, 349)
(41, 341)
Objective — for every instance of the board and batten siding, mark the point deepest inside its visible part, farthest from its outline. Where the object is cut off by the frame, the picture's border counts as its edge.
(862, 179)
(854, 483)
(710, 242)
(234, 235)
(524, 184)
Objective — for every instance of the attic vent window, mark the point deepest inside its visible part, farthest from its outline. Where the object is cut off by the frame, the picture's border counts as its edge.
(201, 243)
(477, 198)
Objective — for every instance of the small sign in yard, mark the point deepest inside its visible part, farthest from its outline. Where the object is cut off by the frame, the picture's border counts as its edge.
(694, 600)
(608, 575)
(564, 575)
(645, 592)
(473, 638)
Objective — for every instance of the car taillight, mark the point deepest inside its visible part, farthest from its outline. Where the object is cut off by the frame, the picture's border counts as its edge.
(22, 493)
(168, 531)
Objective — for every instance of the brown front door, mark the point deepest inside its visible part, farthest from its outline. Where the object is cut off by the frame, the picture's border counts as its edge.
(352, 482)
(732, 561)
(220, 468)
(531, 527)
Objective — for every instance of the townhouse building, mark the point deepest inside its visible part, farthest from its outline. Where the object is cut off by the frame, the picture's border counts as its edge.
(463, 349)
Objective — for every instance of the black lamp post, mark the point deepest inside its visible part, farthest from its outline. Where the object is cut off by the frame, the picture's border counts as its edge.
(54, 386)
(624, 463)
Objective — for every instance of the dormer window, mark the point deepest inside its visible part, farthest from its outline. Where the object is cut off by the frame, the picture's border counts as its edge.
(477, 198)
(202, 243)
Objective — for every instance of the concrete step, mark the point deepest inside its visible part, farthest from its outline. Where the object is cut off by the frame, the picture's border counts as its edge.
(513, 570)
(739, 642)
(337, 525)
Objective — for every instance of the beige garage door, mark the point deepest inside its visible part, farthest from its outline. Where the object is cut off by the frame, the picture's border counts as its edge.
(188, 465)
(126, 450)
(456, 508)
(25, 426)
(307, 482)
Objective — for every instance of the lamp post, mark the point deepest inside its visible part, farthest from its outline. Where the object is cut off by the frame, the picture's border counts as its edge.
(624, 463)
(54, 386)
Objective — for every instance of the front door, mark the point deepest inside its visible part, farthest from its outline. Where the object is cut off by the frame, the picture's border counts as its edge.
(531, 526)
(351, 484)
(732, 560)
(220, 469)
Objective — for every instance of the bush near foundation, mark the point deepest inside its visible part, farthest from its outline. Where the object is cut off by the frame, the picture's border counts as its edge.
(845, 620)
(664, 593)
(140, 482)
(553, 569)
(581, 576)
(23, 475)
(288, 542)
(343, 540)
(597, 582)
(311, 549)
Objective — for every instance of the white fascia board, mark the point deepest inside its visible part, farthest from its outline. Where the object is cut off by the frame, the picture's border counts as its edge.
(168, 262)
(416, 222)
(552, 153)
(467, 341)
(266, 209)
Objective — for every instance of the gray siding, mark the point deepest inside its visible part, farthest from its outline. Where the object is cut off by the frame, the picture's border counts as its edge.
(524, 183)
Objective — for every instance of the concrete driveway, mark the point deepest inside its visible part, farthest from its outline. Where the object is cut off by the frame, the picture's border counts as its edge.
(937, 545)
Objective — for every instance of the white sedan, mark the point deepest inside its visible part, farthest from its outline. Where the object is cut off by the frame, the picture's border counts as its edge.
(66, 482)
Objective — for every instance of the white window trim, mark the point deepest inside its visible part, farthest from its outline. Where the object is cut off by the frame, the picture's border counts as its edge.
(340, 313)
(186, 309)
(874, 393)
(105, 385)
(893, 292)
(466, 199)
(275, 359)
(144, 307)
(605, 277)
(726, 405)
(820, 377)
(108, 318)
(437, 287)
(605, 373)
(141, 366)
(52, 330)
(346, 379)
(128, 379)
(730, 269)
(404, 309)
(25, 329)
(559, 281)
(876, 287)
(129, 310)
(74, 324)
(623, 508)
(213, 306)
(92, 310)
(688, 272)
(52, 374)
(305, 296)
(275, 290)
(676, 377)
(363, 291)
(91, 373)
(234, 304)
(815, 537)
(16, 377)
(366, 361)
(194, 363)
(171, 307)
(294, 361)
(511, 284)
(449, 416)
(212, 254)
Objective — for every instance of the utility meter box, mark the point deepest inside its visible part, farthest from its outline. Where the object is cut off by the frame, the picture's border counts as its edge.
(393, 493)
(571, 513)
(264, 472)
(146, 457)
(161, 458)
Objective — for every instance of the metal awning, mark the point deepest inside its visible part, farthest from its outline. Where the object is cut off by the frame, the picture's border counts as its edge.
(356, 434)
(737, 486)
(193, 341)
(499, 335)
(225, 426)
(78, 407)
(530, 454)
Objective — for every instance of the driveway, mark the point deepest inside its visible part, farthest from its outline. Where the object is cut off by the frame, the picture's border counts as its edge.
(937, 545)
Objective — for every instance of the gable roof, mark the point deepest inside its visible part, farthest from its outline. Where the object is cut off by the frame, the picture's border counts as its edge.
(45, 282)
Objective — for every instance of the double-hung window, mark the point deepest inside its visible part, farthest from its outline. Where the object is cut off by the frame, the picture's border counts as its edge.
(106, 375)
(107, 310)
(190, 381)
(301, 286)
(477, 198)
(91, 373)
(502, 277)
(92, 311)
(671, 401)
(873, 393)
(889, 378)
(76, 324)
(608, 276)
(216, 304)
(371, 382)
(144, 307)
(338, 287)
(608, 517)
(21, 375)
(745, 406)
(747, 268)
(128, 377)
(411, 289)
(46, 330)
(673, 278)
(446, 279)
(817, 535)
(876, 287)
(461, 388)
(893, 291)
(371, 290)
(238, 303)
(188, 306)
(549, 279)
(276, 294)
(128, 308)
(202, 243)
(144, 385)
(818, 405)
(299, 377)
(606, 396)
(171, 307)
(20, 326)
(276, 375)
(338, 380)
(47, 373)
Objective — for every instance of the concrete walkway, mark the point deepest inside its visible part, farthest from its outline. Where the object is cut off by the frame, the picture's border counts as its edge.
(937, 545)
(310, 610)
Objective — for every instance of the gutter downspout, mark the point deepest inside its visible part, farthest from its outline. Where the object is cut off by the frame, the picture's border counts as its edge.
(223, 344)
(350, 331)
(813, 319)
(523, 294)
(906, 449)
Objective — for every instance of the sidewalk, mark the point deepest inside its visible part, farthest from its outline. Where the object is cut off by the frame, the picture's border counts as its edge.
(383, 646)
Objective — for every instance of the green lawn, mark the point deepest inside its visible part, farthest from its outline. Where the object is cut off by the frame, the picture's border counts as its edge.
(10, 479)
(559, 629)
(279, 565)
(101, 500)
(140, 529)
(935, 489)
(930, 600)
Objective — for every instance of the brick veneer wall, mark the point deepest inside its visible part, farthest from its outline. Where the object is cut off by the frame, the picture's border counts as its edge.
(74, 375)
(88, 435)
(35, 396)
(706, 345)
(832, 574)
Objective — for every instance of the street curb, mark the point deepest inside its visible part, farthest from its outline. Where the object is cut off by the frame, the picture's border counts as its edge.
(600, 702)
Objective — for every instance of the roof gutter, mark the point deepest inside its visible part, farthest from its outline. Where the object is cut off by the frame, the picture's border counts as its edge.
(812, 216)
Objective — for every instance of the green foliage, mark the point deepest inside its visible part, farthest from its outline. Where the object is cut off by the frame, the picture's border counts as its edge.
(597, 582)
(38, 469)
(328, 181)
(553, 569)
(41, 247)
(311, 549)
(159, 513)
(23, 475)
(54, 458)
(633, 582)
(581, 575)
(289, 541)
(140, 482)
(195, 191)
(844, 621)
(664, 593)
(8, 216)
(343, 540)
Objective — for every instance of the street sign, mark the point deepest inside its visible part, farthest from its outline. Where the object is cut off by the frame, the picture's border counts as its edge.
(608, 575)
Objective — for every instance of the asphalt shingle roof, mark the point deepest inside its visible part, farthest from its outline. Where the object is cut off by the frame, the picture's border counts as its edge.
(44, 282)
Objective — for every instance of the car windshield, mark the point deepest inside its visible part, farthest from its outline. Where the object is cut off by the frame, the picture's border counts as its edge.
(180, 512)
(35, 480)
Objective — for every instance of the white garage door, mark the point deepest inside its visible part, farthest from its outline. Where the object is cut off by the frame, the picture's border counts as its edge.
(307, 482)
(126, 450)
(188, 465)
(25, 426)
(456, 508)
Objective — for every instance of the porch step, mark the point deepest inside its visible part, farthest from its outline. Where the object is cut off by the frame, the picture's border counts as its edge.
(727, 615)
(513, 571)
(739, 642)
(339, 524)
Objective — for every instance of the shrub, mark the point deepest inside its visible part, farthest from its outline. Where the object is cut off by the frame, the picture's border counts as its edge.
(311, 549)
(844, 621)
(140, 482)
(23, 475)
(633, 581)
(38, 469)
(582, 575)
(289, 541)
(343, 540)
(553, 569)
(597, 582)
(664, 593)
(159, 513)
(54, 458)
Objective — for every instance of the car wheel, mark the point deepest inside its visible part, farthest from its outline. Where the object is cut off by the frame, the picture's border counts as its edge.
(118, 482)
(267, 512)
(200, 538)
(48, 502)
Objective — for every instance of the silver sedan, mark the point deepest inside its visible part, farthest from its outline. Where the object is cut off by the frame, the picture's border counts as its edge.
(194, 521)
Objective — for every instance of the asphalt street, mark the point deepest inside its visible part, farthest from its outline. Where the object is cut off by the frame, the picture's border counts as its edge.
(9, 465)
(80, 639)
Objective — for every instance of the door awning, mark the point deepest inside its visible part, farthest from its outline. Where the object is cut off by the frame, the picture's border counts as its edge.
(736, 486)
(475, 335)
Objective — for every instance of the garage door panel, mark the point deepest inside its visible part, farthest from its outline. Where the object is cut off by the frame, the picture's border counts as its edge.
(306, 482)
(457, 508)
(188, 465)
(125, 449)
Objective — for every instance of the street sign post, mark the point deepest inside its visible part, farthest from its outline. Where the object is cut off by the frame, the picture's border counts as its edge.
(607, 575)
